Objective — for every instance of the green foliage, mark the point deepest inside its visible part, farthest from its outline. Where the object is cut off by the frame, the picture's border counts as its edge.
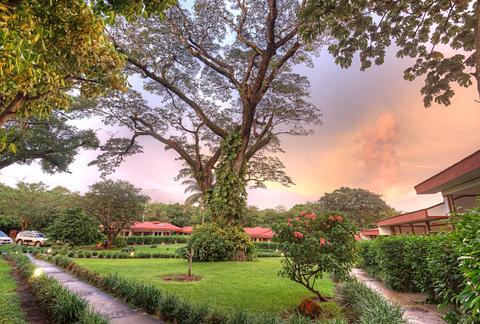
(227, 202)
(361, 206)
(10, 310)
(467, 240)
(75, 227)
(116, 205)
(415, 263)
(175, 214)
(314, 245)
(440, 35)
(363, 305)
(137, 240)
(211, 242)
(53, 142)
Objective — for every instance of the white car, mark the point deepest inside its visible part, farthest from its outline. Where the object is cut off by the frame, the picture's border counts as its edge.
(31, 238)
(4, 239)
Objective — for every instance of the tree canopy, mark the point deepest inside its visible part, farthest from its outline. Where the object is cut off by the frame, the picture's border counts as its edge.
(49, 48)
(53, 142)
(116, 205)
(215, 68)
(443, 37)
(362, 207)
(75, 227)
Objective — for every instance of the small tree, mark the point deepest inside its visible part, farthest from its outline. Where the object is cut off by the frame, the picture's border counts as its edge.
(75, 227)
(313, 245)
(116, 205)
(190, 254)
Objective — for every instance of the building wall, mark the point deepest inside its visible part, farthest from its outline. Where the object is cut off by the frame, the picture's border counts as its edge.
(384, 230)
(439, 210)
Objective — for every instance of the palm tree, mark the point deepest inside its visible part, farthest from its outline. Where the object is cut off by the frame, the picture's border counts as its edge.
(195, 197)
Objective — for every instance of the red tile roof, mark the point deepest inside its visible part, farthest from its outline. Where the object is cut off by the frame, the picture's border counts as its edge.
(407, 218)
(155, 226)
(187, 229)
(258, 231)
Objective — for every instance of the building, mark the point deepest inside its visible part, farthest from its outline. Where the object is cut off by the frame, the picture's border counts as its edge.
(459, 185)
(259, 234)
(152, 228)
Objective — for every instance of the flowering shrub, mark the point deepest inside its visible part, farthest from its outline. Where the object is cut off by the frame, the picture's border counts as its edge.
(314, 245)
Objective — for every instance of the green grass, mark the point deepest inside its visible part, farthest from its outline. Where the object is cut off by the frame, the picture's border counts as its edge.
(10, 311)
(252, 286)
(167, 248)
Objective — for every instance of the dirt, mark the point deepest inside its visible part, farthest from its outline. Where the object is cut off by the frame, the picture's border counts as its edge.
(180, 278)
(33, 311)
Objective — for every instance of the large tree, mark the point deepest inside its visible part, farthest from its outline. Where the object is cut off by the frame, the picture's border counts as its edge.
(443, 37)
(361, 206)
(49, 48)
(52, 142)
(218, 68)
(116, 205)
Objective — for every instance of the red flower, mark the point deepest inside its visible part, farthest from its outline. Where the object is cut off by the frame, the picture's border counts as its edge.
(302, 213)
(297, 218)
(312, 216)
(322, 241)
(289, 224)
(331, 218)
(298, 234)
(339, 218)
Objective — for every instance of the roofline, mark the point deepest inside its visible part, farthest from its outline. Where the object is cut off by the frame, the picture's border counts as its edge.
(412, 212)
(420, 191)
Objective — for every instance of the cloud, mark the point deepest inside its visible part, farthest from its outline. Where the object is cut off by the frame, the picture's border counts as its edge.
(378, 153)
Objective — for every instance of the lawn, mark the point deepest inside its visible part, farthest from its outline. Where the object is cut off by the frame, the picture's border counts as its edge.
(252, 286)
(10, 311)
(155, 248)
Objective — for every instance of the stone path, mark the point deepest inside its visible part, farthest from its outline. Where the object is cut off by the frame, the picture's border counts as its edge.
(415, 310)
(116, 311)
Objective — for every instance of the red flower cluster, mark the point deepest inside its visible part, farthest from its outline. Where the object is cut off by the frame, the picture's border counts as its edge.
(311, 216)
(322, 241)
(298, 234)
(335, 218)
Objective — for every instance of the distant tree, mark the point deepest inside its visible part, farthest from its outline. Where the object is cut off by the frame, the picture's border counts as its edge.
(175, 214)
(52, 142)
(116, 205)
(443, 36)
(360, 206)
(50, 48)
(33, 205)
(75, 227)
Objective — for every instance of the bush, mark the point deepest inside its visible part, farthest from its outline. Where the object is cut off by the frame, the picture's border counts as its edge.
(363, 305)
(466, 238)
(145, 240)
(214, 243)
(120, 242)
(314, 245)
(267, 245)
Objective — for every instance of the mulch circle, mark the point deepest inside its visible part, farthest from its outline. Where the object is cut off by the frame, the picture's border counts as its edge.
(180, 278)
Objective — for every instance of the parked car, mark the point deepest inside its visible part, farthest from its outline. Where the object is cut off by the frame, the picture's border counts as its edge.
(31, 238)
(4, 239)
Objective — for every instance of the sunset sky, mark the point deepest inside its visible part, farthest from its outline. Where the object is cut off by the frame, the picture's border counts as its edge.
(376, 135)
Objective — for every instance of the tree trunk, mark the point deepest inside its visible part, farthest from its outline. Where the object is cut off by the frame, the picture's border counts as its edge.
(109, 240)
(190, 261)
(477, 49)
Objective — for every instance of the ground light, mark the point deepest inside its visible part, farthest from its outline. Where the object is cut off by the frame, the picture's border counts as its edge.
(38, 272)
(132, 254)
(49, 250)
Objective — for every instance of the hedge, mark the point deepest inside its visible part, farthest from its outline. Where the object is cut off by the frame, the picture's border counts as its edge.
(363, 305)
(414, 263)
(61, 304)
(168, 307)
(146, 240)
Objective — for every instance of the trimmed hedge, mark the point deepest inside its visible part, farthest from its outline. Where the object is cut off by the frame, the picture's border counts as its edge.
(363, 305)
(61, 304)
(414, 263)
(146, 240)
(168, 307)
(267, 245)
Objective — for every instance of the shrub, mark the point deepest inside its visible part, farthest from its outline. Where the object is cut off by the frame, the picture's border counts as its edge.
(137, 240)
(466, 238)
(314, 245)
(214, 243)
(120, 242)
(363, 305)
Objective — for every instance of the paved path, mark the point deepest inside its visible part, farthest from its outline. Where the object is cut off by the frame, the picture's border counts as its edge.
(116, 311)
(415, 310)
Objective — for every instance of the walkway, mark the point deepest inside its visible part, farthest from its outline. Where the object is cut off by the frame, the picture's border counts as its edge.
(415, 311)
(116, 311)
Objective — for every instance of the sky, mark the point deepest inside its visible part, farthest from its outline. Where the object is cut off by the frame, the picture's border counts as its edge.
(376, 134)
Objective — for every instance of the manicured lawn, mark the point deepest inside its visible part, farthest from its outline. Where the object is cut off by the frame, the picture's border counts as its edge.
(10, 311)
(156, 248)
(252, 286)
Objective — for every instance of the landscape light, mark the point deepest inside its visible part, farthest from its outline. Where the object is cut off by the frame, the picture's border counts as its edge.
(37, 272)
(49, 250)
(132, 254)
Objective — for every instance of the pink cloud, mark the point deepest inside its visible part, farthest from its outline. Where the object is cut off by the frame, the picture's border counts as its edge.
(378, 151)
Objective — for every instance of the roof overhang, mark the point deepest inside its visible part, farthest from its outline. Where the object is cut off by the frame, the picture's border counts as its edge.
(462, 172)
(409, 218)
